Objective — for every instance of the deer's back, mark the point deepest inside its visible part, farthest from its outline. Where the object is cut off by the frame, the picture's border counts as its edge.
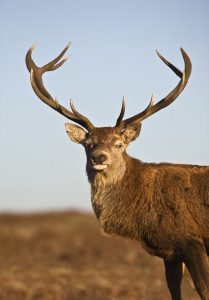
(176, 204)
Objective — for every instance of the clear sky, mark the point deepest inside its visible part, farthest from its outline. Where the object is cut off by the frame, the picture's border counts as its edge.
(112, 54)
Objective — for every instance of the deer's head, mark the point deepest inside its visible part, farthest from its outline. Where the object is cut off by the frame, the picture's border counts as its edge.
(104, 146)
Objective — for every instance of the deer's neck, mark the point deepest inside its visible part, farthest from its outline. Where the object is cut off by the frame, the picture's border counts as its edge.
(112, 194)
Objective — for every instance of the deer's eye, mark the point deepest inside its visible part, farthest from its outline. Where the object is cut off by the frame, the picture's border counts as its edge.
(119, 145)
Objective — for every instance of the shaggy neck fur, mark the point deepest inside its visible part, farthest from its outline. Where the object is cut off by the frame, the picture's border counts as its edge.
(109, 189)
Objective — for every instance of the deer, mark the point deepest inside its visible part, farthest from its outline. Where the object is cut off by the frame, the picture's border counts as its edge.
(163, 206)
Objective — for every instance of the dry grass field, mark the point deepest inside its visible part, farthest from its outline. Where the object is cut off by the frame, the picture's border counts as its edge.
(63, 256)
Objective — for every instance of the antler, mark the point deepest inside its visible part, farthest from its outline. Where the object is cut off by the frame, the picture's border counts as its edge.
(36, 74)
(151, 108)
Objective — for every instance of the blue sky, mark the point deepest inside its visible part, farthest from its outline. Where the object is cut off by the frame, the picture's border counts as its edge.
(112, 54)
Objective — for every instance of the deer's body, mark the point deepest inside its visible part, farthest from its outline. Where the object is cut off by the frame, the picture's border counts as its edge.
(163, 206)
(160, 205)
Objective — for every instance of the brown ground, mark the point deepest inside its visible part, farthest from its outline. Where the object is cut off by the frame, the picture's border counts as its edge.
(63, 256)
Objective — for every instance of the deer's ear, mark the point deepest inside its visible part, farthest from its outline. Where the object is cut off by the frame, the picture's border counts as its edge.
(131, 132)
(76, 133)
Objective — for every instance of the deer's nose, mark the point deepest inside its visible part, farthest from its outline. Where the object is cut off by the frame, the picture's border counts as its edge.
(98, 158)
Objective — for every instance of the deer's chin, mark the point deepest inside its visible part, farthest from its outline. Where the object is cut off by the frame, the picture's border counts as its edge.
(99, 167)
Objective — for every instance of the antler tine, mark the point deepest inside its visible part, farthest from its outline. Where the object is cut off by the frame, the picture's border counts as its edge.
(151, 109)
(170, 65)
(28, 59)
(36, 74)
(120, 118)
(51, 66)
(80, 116)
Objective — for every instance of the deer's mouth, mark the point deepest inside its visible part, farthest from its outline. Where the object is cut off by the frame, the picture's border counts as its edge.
(99, 167)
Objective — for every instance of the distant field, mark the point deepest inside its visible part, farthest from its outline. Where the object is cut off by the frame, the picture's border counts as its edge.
(63, 256)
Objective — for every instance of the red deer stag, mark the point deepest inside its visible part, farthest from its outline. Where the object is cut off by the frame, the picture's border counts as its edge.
(164, 206)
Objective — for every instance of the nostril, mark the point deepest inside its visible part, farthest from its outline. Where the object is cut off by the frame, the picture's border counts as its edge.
(102, 157)
(98, 159)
